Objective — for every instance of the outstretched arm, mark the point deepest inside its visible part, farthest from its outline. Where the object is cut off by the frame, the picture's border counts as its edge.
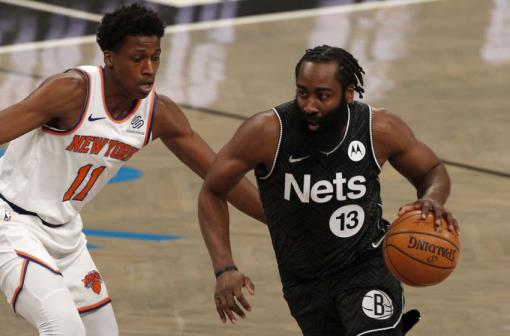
(173, 128)
(253, 144)
(394, 141)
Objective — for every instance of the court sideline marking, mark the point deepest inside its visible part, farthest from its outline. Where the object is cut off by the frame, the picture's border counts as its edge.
(187, 3)
(123, 234)
(222, 23)
(262, 18)
(446, 162)
(54, 9)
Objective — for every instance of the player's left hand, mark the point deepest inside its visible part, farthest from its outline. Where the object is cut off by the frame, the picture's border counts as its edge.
(428, 205)
(228, 295)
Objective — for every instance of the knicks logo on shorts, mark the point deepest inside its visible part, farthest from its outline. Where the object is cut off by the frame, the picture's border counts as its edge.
(377, 304)
(93, 280)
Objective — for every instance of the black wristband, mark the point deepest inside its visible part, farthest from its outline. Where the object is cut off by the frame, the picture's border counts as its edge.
(225, 269)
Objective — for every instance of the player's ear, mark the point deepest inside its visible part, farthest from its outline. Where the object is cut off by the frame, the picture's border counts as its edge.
(108, 58)
(349, 94)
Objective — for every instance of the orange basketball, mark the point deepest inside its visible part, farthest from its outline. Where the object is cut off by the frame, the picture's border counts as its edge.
(418, 255)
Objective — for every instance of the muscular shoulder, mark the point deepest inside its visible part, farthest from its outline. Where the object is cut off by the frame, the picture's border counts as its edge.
(263, 123)
(260, 130)
(385, 122)
(388, 125)
(257, 138)
(166, 104)
(391, 134)
(59, 95)
(72, 83)
(169, 120)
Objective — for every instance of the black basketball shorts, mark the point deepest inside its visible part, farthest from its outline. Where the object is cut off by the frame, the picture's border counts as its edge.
(365, 300)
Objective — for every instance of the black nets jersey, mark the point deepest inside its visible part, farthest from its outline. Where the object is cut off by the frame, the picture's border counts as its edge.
(323, 211)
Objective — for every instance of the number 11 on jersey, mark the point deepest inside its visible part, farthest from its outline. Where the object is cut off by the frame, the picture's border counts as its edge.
(80, 177)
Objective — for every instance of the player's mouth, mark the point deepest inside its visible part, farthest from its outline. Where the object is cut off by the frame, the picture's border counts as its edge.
(312, 125)
(146, 87)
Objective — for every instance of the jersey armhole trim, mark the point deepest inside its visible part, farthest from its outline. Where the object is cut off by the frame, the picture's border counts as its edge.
(370, 112)
(148, 132)
(277, 147)
(59, 132)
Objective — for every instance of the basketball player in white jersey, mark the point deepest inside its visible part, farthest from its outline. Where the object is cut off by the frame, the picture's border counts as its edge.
(68, 138)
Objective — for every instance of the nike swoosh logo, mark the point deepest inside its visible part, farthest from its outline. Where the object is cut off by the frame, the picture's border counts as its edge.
(294, 160)
(375, 244)
(91, 118)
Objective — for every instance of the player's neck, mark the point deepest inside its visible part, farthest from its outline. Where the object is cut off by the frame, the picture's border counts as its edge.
(117, 100)
(330, 140)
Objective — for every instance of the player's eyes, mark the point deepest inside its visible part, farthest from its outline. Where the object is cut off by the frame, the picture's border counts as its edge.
(324, 95)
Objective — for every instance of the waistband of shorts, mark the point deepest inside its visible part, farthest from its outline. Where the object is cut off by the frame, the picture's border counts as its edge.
(22, 211)
(372, 255)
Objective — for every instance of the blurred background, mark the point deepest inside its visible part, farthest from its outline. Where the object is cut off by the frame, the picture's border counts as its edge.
(441, 65)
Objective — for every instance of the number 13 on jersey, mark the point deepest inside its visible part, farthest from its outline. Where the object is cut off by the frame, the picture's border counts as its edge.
(346, 221)
(83, 172)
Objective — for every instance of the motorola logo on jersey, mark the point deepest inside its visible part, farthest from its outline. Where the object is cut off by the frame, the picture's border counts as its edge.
(323, 191)
(356, 151)
(377, 304)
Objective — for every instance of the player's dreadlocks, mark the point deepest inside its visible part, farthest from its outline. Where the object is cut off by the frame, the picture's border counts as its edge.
(134, 20)
(349, 72)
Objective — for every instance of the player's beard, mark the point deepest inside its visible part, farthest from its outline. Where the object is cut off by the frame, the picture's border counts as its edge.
(307, 142)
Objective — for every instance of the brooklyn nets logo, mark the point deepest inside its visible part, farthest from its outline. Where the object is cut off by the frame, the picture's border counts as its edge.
(137, 122)
(356, 151)
(377, 305)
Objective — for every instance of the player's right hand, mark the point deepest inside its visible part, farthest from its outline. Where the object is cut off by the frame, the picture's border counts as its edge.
(229, 297)
(429, 205)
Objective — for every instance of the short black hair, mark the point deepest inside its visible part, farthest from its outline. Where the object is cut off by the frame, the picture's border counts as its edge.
(349, 72)
(133, 20)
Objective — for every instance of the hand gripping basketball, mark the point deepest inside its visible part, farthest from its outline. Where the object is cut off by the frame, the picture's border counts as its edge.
(416, 253)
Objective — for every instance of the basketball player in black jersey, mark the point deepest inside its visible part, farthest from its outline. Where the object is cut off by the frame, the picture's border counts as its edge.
(317, 160)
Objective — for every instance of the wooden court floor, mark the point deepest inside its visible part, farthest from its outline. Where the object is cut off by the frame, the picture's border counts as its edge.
(443, 66)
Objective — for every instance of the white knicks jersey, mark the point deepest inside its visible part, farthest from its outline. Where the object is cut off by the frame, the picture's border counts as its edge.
(54, 173)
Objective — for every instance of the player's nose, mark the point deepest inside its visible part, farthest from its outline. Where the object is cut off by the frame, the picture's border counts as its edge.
(148, 68)
(310, 107)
